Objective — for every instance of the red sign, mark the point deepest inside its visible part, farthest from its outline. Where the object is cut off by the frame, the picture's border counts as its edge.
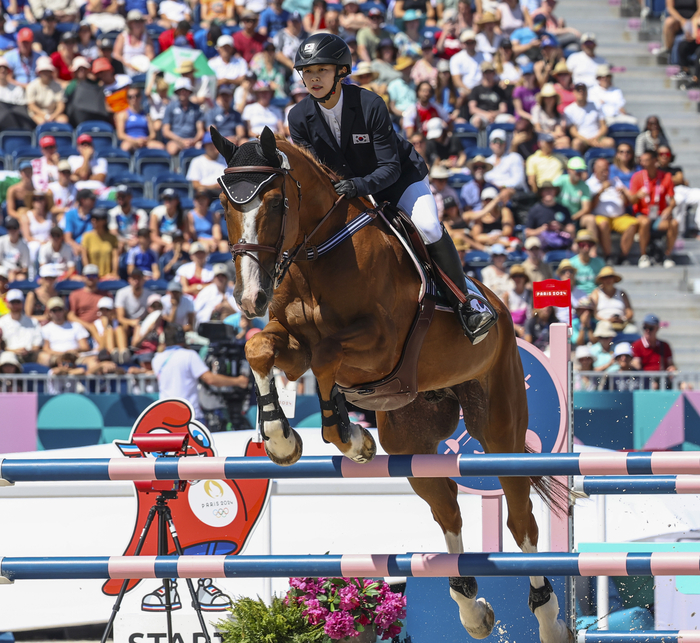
(552, 292)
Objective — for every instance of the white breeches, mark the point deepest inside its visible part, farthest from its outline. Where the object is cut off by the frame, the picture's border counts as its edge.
(418, 203)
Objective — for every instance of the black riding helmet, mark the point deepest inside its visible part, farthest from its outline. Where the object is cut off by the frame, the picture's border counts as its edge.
(324, 49)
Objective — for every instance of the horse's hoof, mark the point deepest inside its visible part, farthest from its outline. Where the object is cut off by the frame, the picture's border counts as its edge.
(486, 626)
(368, 449)
(292, 457)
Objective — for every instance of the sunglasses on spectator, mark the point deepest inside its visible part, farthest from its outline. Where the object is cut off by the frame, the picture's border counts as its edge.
(86, 143)
(55, 310)
(647, 327)
(664, 153)
(49, 147)
(136, 95)
(585, 244)
(479, 167)
(567, 270)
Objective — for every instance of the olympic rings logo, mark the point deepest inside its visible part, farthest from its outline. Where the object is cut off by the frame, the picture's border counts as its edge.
(220, 513)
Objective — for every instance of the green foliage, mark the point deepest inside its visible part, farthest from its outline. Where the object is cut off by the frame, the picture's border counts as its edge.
(252, 621)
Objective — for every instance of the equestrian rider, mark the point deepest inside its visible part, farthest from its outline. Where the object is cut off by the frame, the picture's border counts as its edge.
(350, 131)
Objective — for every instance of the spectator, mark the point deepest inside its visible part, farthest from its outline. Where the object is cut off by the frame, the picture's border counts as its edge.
(610, 207)
(166, 219)
(495, 276)
(537, 327)
(586, 266)
(287, 40)
(114, 85)
(243, 94)
(680, 17)
(45, 168)
(142, 257)
(470, 194)
(439, 187)
(22, 61)
(575, 195)
(62, 192)
(652, 200)
(205, 170)
(183, 127)
(494, 223)
(622, 380)
(535, 266)
(107, 329)
(368, 38)
(441, 146)
(215, 300)
(77, 220)
(543, 166)
(21, 334)
(36, 300)
(567, 271)
(651, 138)
(298, 93)
(584, 64)
(83, 303)
(513, 15)
(229, 67)
(609, 100)
(58, 253)
(418, 116)
(525, 94)
(100, 247)
(19, 196)
(508, 168)
(686, 198)
(87, 48)
(179, 371)
(172, 13)
(584, 364)
(651, 353)
(261, 114)
(518, 299)
(36, 225)
(455, 225)
(549, 220)
(611, 303)
(88, 171)
(10, 92)
(269, 70)
(447, 95)
(132, 44)
(273, 20)
(169, 36)
(584, 323)
(48, 38)
(64, 56)
(176, 256)
(131, 303)
(134, 127)
(465, 66)
(587, 125)
(177, 308)
(194, 276)
(524, 140)
(425, 68)
(125, 220)
(623, 166)
(85, 99)
(488, 40)
(205, 225)
(551, 56)
(564, 84)
(14, 252)
(507, 67)
(225, 118)
(145, 337)
(4, 280)
(61, 336)
(158, 100)
(248, 41)
(557, 26)
(487, 101)
(547, 119)
(383, 64)
(365, 76)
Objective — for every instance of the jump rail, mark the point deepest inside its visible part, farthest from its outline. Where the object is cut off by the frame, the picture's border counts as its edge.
(650, 636)
(647, 485)
(362, 565)
(393, 466)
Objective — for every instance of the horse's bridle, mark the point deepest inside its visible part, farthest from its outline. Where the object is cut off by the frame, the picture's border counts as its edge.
(283, 260)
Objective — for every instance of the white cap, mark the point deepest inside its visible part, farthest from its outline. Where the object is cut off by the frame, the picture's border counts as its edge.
(197, 247)
(183, 83)
(623, 348)
(78, 62)
(435, 126)
(532, 242)
(3, 62)
(583, 351)
(224, 40)
(4, 272)
(489, 193)
(443, 65)
(7, 357)
(50, 270)
(44, 64)
(14, 295)
(498, 133)
(153, 299)
(497, 248)
(106, 302)
(220, 269)
(467, 34)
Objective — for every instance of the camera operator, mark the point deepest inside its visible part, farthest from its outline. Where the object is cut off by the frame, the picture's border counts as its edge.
(179, 370)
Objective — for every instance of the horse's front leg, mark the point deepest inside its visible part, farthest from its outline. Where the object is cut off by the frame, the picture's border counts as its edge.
(265, 349)
(363, 337)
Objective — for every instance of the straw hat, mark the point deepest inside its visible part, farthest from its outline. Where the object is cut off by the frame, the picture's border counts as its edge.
(561, 68)
(479, 159)
(607, 271)
(362, 69)
(486, 18)
(461, 244)
(564, 265)
(547, 91)
(404, 62)
(584, 235)
(518, 271)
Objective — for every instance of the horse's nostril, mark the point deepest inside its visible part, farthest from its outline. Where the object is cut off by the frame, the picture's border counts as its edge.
(260, 300)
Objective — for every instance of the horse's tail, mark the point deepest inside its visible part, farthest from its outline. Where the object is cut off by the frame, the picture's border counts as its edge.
(554, 493)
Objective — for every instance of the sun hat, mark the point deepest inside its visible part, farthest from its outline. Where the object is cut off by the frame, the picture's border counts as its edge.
(404, 62)
(153, 299)
(486, 18)
(603, 70)
(412, 14)
(55, 302)
(479, 159)
(135, 15)
(8, 357)
(443, 65)
(183, 83)
(518, 271)
(604, 329)
(532, 242)
(547, 91)
(439, 172)
(489, 192)
(577, 164)
(91, 270)
(565, 264)
(607, 271)
(487, 65)
(44, 64)
(185, 67)
(584, 235)
(623, 348)
(561, 68)
(363, 68)
(467, 35)
(583, 351)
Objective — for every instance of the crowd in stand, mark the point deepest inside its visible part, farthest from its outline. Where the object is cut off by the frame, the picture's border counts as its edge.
(533, 158)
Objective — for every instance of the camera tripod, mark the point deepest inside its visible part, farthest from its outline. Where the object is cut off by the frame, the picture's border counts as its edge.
(165, 524)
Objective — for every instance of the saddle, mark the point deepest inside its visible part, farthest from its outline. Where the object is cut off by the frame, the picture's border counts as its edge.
(400, 387)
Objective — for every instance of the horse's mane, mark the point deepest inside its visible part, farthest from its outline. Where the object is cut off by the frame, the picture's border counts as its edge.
(311, 157)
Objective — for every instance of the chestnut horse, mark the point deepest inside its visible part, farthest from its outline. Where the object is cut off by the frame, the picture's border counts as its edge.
(346, 315)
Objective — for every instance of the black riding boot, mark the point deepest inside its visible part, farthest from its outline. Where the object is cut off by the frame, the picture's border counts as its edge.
(477, 315)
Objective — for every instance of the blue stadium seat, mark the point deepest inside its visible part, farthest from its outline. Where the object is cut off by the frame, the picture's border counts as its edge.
(25, 286)
(476, 151)
(186, 202)
(11, 140)
(62, 132)
(623, 133)
(67, 287)
(149, 164)
(33, 367)
(113, 286)
(477, 258)
(554, 257)
(144, 204)
(568, 153)
(177, 182)
(24, 154)
(467, 134)
(117, 160)
(102, 133)
(2, 159)
(105, 203)
(157, 285)
(456, 181)
(68, 150)
(185, 158)
(218, 257)
(134, 181)
(517, 256)
(598, 153)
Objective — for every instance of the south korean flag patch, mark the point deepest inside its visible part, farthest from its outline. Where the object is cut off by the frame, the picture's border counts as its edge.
(360, 138)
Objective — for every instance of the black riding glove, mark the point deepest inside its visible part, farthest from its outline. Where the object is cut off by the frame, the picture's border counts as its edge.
(346, 187)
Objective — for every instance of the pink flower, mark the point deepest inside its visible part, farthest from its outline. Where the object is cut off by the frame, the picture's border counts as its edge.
(315, 613)
(349, 598)
(339, 625)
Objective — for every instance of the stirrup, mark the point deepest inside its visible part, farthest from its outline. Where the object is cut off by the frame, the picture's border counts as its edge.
(476, 320)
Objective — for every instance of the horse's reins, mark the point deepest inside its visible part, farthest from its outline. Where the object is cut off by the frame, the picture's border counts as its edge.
(283, 260)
